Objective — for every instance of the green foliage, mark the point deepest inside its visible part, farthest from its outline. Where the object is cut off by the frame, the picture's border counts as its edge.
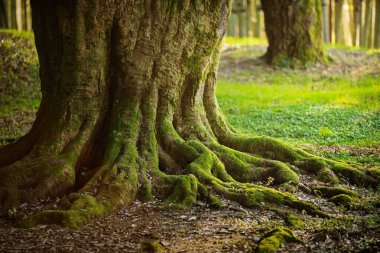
(19, 83)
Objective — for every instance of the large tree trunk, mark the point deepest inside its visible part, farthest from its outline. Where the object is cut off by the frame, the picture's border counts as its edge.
(129, 111)
(294, 30)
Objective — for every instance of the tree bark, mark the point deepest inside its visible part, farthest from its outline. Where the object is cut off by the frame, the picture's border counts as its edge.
(357, 21)
(326, 34)
(19, 19)
(28, 16)
(129, 111)
(377, 25)
(294, 30)
(339, 34)
(3, 14)
(252, 19)
(368, 28)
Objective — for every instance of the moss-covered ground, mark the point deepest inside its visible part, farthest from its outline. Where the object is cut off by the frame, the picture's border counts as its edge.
(332, 111)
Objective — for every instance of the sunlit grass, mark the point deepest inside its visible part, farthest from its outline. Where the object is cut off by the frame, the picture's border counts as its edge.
(232, 41)
(345, 94)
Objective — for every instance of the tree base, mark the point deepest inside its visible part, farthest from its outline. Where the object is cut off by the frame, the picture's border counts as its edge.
(214, 171)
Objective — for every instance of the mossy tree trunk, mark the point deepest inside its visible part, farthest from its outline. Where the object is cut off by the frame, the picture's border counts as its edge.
(129, 111)
(294, 30)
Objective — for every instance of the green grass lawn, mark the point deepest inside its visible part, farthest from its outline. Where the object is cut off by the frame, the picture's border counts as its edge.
(332, 110)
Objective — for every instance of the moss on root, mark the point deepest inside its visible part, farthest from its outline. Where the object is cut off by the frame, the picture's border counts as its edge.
(273, 240)
(154, 247)
(342, 200)
(292, 220)
(328, 192)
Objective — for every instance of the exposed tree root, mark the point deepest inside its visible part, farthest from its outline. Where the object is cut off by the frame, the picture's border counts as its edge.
(272, 240)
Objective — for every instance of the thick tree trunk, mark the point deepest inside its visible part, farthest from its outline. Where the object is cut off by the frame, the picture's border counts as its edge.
(294, 30)
(129, 111)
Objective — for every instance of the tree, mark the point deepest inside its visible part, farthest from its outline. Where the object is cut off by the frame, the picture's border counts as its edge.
(294, 30)
(368, 28)
(358, 10)
(251, 17)
(377, 25)
(325, 19)
(3, 14)
(338, 24)
(129, 111)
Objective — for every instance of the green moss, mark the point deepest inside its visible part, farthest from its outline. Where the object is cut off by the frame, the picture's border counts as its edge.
(326, 191)
(342, 200)
(285, 174)
(327, 175)
(183, 191)
(375, 173)
(154, 247)
(272, 240)
(293, 220)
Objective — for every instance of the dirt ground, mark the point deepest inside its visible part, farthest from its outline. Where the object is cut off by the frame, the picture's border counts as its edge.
(200, 229)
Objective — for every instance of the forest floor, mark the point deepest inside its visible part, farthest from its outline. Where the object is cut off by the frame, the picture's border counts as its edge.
(333, 111)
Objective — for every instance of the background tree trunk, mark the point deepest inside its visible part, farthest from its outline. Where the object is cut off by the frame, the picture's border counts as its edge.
(3, 14)
(368, 27)
(326, 34)
(294, 30)
(377, 25)
(357, 21)
(252, 19)
(338, 24)
(19, 18)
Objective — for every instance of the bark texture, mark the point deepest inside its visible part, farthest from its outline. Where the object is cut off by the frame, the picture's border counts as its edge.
(377, 25)
(129, 111)
(294, 31)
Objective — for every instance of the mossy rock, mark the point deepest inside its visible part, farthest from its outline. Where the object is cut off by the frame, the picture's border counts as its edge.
(342, 200)
(272, 240)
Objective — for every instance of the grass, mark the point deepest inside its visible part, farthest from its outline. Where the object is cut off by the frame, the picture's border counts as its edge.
(333, 110)
(19, 84)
